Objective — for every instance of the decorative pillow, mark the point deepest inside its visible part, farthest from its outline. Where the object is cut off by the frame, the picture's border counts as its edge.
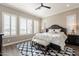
(57, 30)
(51, 30)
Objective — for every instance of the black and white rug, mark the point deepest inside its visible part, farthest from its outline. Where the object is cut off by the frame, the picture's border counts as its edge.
(26, 49)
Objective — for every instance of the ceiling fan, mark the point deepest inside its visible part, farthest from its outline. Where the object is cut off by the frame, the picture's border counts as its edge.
(42, 5)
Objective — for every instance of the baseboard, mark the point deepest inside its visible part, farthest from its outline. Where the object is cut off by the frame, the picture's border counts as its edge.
(12, 43)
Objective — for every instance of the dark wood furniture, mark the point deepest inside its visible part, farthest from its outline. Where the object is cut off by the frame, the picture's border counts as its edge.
(1, 44)
(54, 46)
(73, 39)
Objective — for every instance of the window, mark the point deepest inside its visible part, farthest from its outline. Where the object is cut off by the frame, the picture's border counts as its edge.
(13, 25)
(6, 24)
(71, 24)
(36, 26)
(22, 25)
(25, 26)
(9, 24)
(29, 26)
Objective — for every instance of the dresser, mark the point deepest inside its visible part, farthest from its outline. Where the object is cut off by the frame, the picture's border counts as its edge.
(1, 44)
(73, 39)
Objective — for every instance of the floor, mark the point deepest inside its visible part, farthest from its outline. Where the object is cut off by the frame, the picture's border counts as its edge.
(13, 51)
(10, 51)
(74, 47)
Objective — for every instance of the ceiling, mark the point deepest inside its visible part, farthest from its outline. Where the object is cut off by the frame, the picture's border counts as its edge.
(43, 12)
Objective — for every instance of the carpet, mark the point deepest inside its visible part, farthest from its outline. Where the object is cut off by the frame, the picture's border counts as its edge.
(26, 49)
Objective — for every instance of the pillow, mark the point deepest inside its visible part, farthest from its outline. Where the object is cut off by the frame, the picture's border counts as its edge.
(57, 30)
(51, 30)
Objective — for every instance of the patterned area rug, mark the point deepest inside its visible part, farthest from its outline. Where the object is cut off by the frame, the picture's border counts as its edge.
(26, 49)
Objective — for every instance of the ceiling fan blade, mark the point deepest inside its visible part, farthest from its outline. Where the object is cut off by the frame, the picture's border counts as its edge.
(47, 7)
(38, 8)
(43, 6)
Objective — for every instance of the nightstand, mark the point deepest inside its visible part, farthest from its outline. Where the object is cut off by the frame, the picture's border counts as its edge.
(73, 39)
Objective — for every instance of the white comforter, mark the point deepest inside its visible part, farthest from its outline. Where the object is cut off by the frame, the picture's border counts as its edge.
(55, 38)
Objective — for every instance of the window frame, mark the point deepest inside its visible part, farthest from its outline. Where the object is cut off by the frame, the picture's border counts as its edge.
(37, 30)
(70, 26)
(19, 25)
(26, 25)
(9, 14)
(32, 26)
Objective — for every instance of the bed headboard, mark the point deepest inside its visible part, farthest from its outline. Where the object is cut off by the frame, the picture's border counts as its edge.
(57, 27)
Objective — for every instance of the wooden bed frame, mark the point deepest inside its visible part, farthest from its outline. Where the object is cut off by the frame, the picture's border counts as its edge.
(57, 27)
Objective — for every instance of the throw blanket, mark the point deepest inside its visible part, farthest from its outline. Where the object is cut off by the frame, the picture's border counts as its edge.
(55, 38)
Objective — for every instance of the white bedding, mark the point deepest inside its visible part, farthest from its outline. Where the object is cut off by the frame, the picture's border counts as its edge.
(46, 38)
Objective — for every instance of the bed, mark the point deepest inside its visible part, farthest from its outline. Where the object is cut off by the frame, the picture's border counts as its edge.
(54, 40)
